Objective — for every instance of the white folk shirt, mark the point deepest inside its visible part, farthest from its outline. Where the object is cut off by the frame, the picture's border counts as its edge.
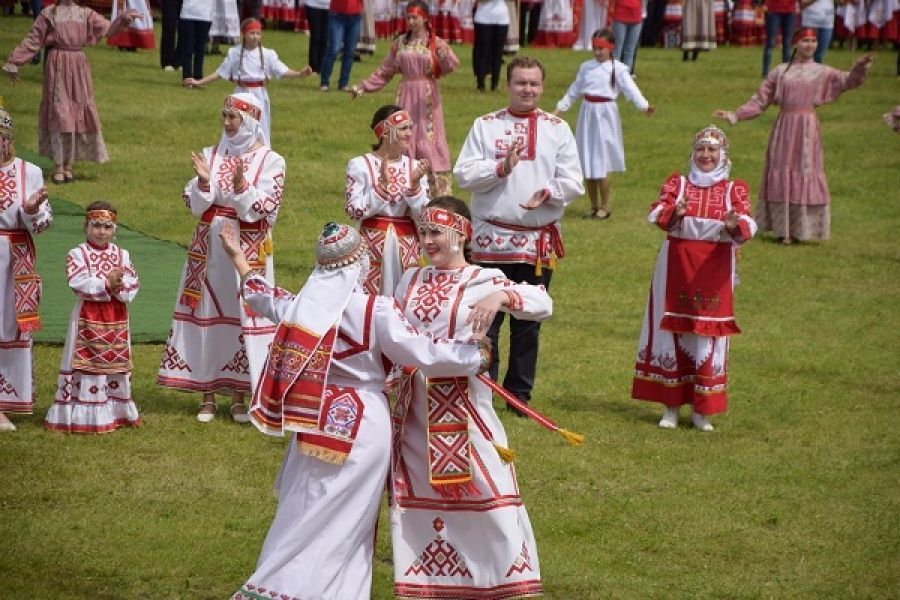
(549, 162)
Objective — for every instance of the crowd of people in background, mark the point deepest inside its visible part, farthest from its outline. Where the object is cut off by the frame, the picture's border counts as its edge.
(318, 364)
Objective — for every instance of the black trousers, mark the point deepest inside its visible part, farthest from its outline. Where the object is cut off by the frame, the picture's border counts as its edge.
(168, 55)
(192, 37)
(529, 17)
(487, 53)
(318, 36)
(523, 335)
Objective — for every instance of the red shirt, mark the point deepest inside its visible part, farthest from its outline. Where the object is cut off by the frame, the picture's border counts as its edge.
(346, 7)
(781, 6)
(627, 11)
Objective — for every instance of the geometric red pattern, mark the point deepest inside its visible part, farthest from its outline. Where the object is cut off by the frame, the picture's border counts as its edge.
(6, 388)
(448, 433)
(522, 562)
(439, 558)
(172, 361)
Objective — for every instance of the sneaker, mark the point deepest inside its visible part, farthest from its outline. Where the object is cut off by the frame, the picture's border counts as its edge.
(701, 422)
(169, 69)
(324, 88)
(669, 419)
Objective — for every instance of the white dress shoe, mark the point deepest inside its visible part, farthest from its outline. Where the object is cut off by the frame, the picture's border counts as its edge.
(669, 419)
(7, 426)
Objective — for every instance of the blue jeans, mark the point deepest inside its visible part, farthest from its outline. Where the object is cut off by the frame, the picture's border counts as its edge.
(823, 40)
(627, 37)
(774, 22)
(343, 30)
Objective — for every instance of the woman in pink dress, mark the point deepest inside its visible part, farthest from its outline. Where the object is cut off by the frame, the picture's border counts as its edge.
(69, 123)
(793, 197)
(422, 58)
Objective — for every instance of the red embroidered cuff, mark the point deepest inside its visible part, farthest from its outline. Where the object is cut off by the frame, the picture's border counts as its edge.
(743, 229)
(515, 300)
(501, 172)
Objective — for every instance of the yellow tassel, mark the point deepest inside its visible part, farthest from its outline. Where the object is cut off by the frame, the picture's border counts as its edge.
(422, 262)
(576, 439)
(552, 263)
(265, 248)
(506, 455)
(537, 268)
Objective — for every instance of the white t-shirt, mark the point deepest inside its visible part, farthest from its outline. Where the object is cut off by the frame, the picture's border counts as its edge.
(819, 14)
(492, 12)
(197, 10)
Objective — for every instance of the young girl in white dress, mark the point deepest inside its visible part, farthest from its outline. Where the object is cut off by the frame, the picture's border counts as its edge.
(598, 133)
(250, 66)
(93, 391)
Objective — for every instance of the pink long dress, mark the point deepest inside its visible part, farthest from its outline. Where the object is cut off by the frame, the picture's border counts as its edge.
(793, 197)
(418, 93)
(69, 123)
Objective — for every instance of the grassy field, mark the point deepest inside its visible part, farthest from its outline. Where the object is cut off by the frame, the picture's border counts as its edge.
(796, 495)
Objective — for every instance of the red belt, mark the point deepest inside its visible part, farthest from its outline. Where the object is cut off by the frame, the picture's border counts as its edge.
(402, 225)
(598, 99)
(250, 84)
(549, 240)
(225, 211)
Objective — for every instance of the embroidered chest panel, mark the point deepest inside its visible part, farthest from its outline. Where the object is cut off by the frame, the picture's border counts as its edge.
(224, 168)
(9, 184)
(434, 296)
(96, 261)
(398, 175)
(706, 203)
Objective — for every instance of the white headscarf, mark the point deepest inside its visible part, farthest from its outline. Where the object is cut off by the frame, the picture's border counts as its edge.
(249, 132)
(715, 137)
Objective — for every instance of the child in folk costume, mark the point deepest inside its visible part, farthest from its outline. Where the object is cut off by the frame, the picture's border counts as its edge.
(24, 211)
(598, 132)
(139, 33)
(682, 355)
(216, 344)
(323, 382)
(421, 58)
(69, 126)
(93, 391)
(385, 191)
(250, 66)
(793, 197)
(459, 527)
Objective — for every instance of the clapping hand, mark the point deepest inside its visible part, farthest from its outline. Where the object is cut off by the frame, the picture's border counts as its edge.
(537, 198)
(114, 279)
(512, 156)
(419, 172)
(237, 180)
(200, 168)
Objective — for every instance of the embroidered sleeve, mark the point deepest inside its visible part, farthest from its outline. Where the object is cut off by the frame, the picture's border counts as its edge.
(524, 301)
(262, 198)
(416, 198)
(402, 344)
(41, 220)
(740, 203)
(383, 74)
(662, 211)
(85, 285)
(130, 282)
(476, 170)
(266, 299)
(567, 182)
(362, 200)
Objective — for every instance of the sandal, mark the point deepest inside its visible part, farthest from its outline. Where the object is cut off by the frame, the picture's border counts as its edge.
(207, 417)
(600, 214)
(241, 416)
(69, 177)
(58, 178)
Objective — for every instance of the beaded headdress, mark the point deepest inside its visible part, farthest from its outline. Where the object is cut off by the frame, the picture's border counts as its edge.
(6, 125)
(99, 215)
(236, 104)
(339, 246)
(392, 123)
(444, 219)
(711, 136)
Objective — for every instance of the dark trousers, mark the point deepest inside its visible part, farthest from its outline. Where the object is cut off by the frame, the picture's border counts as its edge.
(192, 37)
(529, 17)
(487, 53)
(168, 55)
(523, 335)
(318, 36)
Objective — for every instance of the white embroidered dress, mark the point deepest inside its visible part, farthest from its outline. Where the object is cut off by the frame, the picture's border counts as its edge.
(19, 180)
(250, 74)
(504, 232)
(386, 217)
(321, 543)
(598, 133)
(218, 346)
(479, 545)
(93, 390)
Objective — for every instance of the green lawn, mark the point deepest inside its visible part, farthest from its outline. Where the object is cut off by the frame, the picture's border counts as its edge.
(796, 495)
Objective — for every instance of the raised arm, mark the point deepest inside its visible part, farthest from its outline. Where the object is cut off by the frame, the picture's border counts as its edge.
(260, 199)
(380, 77)
(576, 89)
(35, 214)
(34, 40)
(475, 171)
(198, 195)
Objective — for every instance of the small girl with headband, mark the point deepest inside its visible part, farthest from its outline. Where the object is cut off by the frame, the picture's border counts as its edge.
(250, 66)
(93, 393)
(598, 133)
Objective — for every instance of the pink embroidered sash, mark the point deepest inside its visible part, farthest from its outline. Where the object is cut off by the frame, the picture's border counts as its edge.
(26, 281)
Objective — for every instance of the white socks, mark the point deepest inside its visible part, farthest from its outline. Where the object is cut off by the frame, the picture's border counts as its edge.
(669, 420)
(701, 422)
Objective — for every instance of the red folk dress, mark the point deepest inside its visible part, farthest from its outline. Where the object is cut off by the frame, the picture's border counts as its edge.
(793, 196)
(683, 350)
